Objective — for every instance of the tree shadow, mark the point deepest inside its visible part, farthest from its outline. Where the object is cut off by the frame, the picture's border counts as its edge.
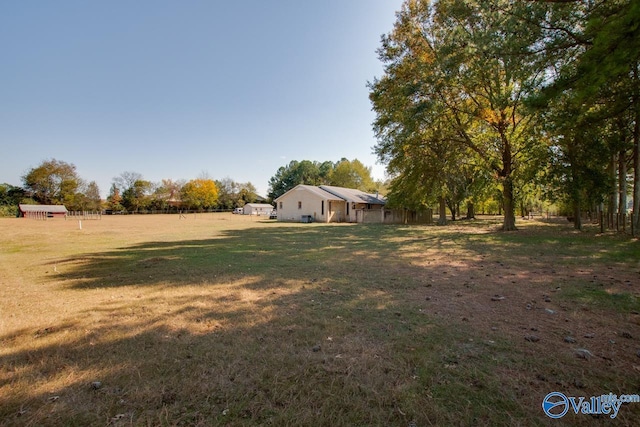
(290, 325)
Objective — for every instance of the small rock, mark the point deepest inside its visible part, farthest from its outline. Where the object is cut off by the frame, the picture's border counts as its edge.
(497, 298)
(547, 299)
(578, 383)
(316, 348)
(96, 385)
(529, 306)
(495, 328)
(548, 310)
(638, 353)
(569, 339)
(583, 353)
(428, 298)
(626, 334)
(589, 335)
(54, 398)
(532, 338)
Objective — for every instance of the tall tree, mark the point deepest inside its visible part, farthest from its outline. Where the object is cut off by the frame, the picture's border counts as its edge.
(114, 199)
(199, 194)
(299, 172)
(166, 194)
(592, 54)
(92, 196)
(137, 196)
(233, 194)
(53, 182)
(352, 174)
(11, 195)
(465, 62)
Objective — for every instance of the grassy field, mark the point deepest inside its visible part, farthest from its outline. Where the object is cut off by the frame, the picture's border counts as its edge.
(220, 319)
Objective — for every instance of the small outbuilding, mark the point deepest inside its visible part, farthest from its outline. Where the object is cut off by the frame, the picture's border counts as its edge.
(257, 209)
(42, 211)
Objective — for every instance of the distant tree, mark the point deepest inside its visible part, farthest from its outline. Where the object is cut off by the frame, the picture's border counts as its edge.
(127, 180)
(227, 193)
(247, 193)
(11, 195)
(53, 182)
(93, 199)
(352, 174)
(165, 194)
(137, 197)
(233, 194)
(114, 199)
(199, 194)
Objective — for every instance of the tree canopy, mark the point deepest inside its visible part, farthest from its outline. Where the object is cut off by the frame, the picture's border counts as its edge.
(53, 182)
(516, 95)
(343, 173)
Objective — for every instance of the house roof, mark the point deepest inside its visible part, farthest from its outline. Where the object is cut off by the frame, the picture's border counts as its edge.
(43, 208)
(354, 196)
(313, 189)
(329, 192)
(259, 205)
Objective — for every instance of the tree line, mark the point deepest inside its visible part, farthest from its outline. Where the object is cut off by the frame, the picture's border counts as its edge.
(57, 182)
(533, 100)
(343, 173)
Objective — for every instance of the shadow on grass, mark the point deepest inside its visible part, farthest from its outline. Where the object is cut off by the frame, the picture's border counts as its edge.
(279, 326)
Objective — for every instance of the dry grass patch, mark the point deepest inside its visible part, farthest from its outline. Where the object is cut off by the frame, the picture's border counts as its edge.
(221, 319)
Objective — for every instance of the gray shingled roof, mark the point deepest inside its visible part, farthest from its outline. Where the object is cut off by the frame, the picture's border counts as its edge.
(316, 190)
(43, 208)
(350, 195)
(354, 196)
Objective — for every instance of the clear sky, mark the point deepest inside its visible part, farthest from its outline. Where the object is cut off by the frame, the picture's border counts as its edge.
(178, 89)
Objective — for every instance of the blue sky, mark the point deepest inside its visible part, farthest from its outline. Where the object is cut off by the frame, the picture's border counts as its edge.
(178, 89)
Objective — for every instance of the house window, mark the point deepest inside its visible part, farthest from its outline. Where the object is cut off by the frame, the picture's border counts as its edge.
(299, 205)
(280, 205)
(322, 207)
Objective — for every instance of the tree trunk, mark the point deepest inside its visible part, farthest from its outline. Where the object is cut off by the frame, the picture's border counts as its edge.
(622, 188)
(471, 212)
(577, 214)
(635, 215)
(442, 220)
(509, 223)
(613, 194)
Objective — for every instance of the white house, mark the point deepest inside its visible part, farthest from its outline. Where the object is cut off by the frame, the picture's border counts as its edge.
(326, 203)
(257, 209)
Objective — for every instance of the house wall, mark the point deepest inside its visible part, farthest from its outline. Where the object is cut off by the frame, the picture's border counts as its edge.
(252, 209)
(310, 204)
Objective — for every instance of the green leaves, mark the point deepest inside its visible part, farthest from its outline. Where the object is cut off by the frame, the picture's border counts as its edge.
(452, 96)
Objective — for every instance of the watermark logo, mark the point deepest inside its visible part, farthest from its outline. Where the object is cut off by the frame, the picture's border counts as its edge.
(556, 405)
